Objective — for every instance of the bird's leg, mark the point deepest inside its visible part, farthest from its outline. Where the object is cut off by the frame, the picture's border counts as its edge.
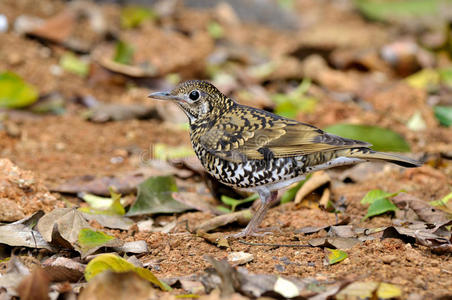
(267, 200)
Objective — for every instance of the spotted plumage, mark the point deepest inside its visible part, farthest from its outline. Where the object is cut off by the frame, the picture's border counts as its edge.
(256, 150)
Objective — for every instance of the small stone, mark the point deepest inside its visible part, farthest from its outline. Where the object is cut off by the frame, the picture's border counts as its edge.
(240, 258)
(60, 146)
(387, 259)
(280, 268)
(413, 256)
(10, 211)
(146, 225)
(420, 283)
(3, 23)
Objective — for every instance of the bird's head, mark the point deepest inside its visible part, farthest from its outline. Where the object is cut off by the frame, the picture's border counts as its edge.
(200, 100)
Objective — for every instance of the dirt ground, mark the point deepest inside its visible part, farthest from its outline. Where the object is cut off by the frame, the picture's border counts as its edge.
(59, 147)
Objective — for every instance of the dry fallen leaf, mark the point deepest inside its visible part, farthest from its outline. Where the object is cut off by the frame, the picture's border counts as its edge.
(317, 180)
(35, 286)
(111, 285)
(425, 211)
(242, 217)
(62, 269)
(20, 233)
(62, 226)
(240, 258)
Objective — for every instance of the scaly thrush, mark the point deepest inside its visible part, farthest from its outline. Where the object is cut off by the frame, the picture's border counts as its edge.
(255, 150)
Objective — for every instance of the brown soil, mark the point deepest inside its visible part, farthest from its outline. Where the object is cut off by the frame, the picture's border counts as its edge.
(56, 148)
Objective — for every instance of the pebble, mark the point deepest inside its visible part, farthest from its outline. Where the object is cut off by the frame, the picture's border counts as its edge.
(240, 258)
(3, 23)
(146, 225)
(280, 268)
(387, 259)
(413, 256)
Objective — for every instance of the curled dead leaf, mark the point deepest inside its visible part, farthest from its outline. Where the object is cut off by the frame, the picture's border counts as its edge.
(317, 180)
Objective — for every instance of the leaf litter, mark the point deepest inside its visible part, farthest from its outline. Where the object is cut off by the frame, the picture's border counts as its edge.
(358, 71)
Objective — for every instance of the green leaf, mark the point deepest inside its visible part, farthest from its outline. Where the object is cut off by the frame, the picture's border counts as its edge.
(103, 205)
(426, 79)
(444, 203)
(123, 53)
(290, 194)
(73, 64)
(155, 196)
(235, 202)
(369, 290)
(380, 206)
(416, 122)
(15, 92)
(132, 16)
(223, 209)
(190, 296)
(443, 114)
(388, 291)
(288, 105)
(374, 195)
(446, 76)
(382, 139)
(165, 152)
(388, 10)
(88, 238)
(115, 263)
(215, 30)
(335, 255)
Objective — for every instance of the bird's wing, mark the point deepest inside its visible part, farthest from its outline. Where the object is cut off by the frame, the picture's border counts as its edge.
(257, 134)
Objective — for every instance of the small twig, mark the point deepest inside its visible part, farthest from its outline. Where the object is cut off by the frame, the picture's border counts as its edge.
(187, 228)
(273, 245)
(34, 238)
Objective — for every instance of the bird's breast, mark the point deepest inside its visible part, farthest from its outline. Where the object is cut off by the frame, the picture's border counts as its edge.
(250, 173)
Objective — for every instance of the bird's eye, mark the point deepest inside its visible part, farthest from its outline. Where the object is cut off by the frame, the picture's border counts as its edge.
(194, 95)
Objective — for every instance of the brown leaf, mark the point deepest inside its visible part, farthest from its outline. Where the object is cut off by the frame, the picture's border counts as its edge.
(228, 275)
(334, 242)
(104, 112)
(196, 201)
(317, 180)
(230, 280)
(63, 269)
(418, 233)
(62, 222)
(128, 70)
(342, 231)
(323, 202)
(57, 28)
(35, 286)
(242, 217)
(10, 280)
(425, 211)
(123, 183)
(111, 285)
(311, 229)
(216, 238)
(20, 233)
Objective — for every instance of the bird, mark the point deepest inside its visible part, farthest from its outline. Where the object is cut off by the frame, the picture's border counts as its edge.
(257, 151)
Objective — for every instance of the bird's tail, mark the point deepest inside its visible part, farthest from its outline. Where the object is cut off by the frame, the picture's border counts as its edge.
(368, 154)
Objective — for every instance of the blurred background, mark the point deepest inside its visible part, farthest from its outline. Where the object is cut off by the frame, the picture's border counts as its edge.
(75, 75)
(75, 120)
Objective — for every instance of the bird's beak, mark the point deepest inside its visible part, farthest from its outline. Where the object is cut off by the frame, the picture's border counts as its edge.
(164, 96)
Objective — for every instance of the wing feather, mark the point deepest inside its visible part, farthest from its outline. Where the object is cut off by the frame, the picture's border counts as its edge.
(245, 136)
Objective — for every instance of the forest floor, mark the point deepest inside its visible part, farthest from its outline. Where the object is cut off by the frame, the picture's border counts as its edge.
(351, 80)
